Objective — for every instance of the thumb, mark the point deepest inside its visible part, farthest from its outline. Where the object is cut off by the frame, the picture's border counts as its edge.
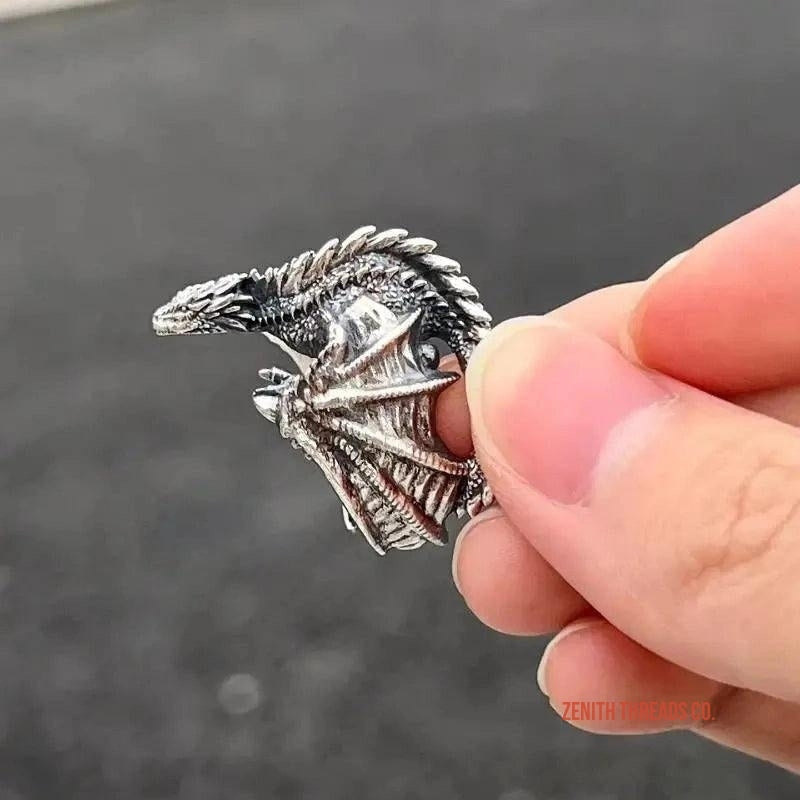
(673, 513)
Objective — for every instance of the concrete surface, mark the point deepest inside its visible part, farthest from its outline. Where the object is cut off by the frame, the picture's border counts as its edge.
(182, 615)
(16, 9)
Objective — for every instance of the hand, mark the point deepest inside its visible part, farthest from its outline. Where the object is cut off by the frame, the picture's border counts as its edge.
(654, 525)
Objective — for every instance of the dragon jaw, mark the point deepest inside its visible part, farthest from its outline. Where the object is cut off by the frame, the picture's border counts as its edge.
(243, 302)
(249, 303)
(218, 306)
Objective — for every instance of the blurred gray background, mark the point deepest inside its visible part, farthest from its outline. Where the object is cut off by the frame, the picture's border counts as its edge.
(181, 613)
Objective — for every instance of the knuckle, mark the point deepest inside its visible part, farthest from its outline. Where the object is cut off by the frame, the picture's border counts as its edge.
(740, 530)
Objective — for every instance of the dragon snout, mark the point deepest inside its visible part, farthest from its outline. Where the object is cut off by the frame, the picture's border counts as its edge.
(218, 306)
(162, 321)
(176, 318)
(171, 321)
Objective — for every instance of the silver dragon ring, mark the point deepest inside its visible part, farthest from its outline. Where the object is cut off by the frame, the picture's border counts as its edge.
(361, 318)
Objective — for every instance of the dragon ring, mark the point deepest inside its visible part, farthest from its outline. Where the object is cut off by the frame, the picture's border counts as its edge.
(361, 318)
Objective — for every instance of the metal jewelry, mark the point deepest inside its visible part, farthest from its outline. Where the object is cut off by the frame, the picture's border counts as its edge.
(361, 318)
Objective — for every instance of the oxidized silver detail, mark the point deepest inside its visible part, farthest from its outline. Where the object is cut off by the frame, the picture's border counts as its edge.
(357, 316)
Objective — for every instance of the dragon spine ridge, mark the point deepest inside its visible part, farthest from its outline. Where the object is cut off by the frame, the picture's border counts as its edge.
(450, 300)
(300, 275)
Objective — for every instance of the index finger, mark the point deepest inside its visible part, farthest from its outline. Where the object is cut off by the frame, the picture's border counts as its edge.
(724, 317)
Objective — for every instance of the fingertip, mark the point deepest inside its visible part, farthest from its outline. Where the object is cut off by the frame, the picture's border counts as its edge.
(603, 311)
(492, 344)
(478, 522)
(545, 398)
(723, 316)
(601, 681)
(555, 642)
(629, 333)
(507, 584)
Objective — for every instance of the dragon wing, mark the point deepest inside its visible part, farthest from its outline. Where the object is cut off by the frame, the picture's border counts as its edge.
(364, 415)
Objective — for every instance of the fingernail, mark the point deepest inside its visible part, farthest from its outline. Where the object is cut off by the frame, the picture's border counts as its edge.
(485, 516)
(668, 265)
(544, 400)
(573, 627)
(628, 334)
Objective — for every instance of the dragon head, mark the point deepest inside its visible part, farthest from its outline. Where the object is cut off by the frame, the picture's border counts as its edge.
(226, 304)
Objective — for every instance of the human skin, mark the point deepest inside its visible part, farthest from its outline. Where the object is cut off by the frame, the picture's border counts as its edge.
(653, 526)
